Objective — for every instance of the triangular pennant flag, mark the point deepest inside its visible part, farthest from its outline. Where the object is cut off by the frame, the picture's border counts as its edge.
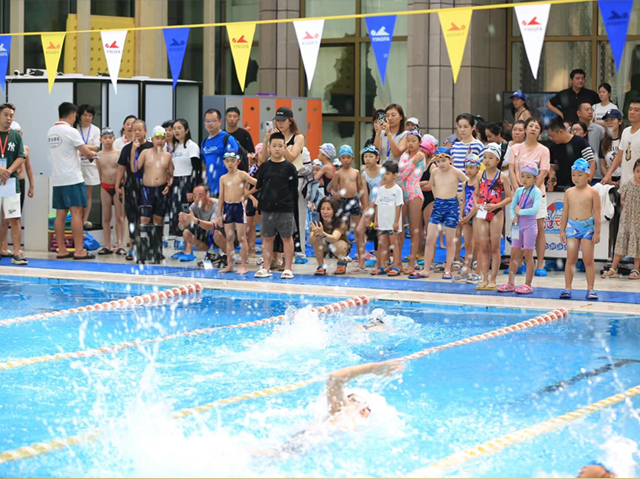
(52, 46)
(455, 25)
(176, 40)
(309, 33)
(615, 16)
(5, 48)
(380, 34)
(533, 26)
(241, 39)
(113, 44)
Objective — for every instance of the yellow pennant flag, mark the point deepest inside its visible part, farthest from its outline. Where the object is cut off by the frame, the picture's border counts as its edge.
(455, 25)
(241, 39)
(52, 46)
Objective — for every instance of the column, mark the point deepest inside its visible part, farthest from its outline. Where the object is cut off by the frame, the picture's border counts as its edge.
(418, 68)
(16, 25)
(83, 62)
(268, 44)
(209, 49)
(151, 53)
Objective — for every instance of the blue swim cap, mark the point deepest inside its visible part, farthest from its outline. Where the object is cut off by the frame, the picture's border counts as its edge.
(443, 150)
(370, 149)
(597, 463)
(346, 150)
(581, 165)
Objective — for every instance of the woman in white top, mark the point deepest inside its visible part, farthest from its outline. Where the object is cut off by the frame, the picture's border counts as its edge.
(187, 166)
(391, 137)
(600, 109)
(91, 136)
(126, 132)
(611, 143)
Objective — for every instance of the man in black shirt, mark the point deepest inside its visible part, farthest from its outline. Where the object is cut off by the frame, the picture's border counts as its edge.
(232, 116)
(134, 180)
(565, 103)
(277, 181)
(565, 150)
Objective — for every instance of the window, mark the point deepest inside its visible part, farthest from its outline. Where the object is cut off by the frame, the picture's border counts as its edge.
(334, 28)
(185, 12)
(375, 95)
(44, 16)
(114, 8)
(334, 80)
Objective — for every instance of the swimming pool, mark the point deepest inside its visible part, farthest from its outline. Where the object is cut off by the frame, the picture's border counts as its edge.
(439, 405)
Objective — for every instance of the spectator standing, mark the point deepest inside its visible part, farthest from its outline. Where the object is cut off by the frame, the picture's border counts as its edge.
(565, 103)
(629, 151)
(493, 133)
(518, 135)
(126, 132)
(391, 136)
(69, 191)
(214, 147)
(600, 109)
(91, 137)
(595, 134)
(611, 143)
(169, 145)
(565, 150)
(465, 143)
(521, 110)
(412, 124)
(242, 136)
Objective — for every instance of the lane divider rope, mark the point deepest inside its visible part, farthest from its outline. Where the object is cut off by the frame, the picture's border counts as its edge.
(495, 445)
(330, 308)
(34, 450)
(149, 298)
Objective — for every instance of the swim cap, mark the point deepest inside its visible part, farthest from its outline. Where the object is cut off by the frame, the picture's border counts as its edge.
(433, 139)
(159, 131)
(316, 163)
(336, 163)
(107, 131)
(346, 150)
(494, 149)
(258, 148)
(370, 149)
(581, 165)
(473, 160)
(531, 168)
(231, 154)
(442, 151)
(328, 150)
(428, 146)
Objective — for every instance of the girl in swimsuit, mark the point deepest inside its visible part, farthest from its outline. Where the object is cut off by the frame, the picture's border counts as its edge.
(467, 195)
(372, 176)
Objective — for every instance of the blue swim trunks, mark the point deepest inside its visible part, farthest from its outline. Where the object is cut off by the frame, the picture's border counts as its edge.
(445, 212)
(233, 213)
(581, 229)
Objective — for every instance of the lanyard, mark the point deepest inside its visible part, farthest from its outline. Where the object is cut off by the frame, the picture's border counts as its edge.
(135, 163)
(523, 198)
(494, 179)
(3, 147)
(86, 140)
(169, 148)
(389, 144)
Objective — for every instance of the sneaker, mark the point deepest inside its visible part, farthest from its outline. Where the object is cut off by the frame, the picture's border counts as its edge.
(186, 257)
(19, 259)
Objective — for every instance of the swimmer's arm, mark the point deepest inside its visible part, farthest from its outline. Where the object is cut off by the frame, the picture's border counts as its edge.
(248, 178)
(565, 217)
(335, 186)
(508, 192)
(27, 165)
(221, 199)
(362, 190)
(119, 177)
(461, 176)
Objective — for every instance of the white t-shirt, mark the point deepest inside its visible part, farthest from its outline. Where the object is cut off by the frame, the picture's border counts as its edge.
(120, 143)
(90, 137)
(182, 155)
(387, 201)
(65, 160)
(610, 155)
(599, 111)
(630, 146)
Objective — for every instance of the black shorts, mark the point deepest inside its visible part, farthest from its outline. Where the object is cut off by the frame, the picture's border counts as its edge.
(250, 210)
(233, 213)
(153, 202)
(350, 207)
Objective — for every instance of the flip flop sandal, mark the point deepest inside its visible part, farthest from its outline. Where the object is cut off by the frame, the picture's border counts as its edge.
(287, 274)
(341, 269)
(359, 270)
(378, 271)
(321, 271)
(121, 252)
(104, 251)
(87, 256)
(417, 275)
(263, 273)
(506, 288)
(474, 279)
(635, 274)
(393, 272)
(64, 256)
(524, 289)
(447, 276)
(566, 294)
(486, 287)
(591, 294)
(610, 273)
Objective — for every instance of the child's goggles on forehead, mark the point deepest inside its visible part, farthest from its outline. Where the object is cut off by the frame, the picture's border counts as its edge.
(370, 149)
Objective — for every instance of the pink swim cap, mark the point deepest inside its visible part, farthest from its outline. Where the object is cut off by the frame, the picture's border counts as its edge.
(427, 146)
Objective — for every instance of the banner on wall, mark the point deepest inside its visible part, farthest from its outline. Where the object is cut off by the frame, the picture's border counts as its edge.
(176, 40)
(5, 48)
(615, 16)
(241, 39)
(533, 26)
(52, 46)
(113, 44)
(309, 33)
(455, 29)
(381, 34)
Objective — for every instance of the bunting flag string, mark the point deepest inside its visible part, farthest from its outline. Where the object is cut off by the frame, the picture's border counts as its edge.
(241, 39)
(176, 42)
(113, 44)
(455, 29)
(309, 34)
(5, 48)
(52, 47)
(533, 27)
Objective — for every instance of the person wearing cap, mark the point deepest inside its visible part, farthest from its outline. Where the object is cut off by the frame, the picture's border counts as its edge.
(611, 143)
(595, 134)
(108, 168)
(156, 180)
(600, 109)
(580, 227)
(472, 168)
(565, 150)
(412, 124)
(565, 103)
(326, 155)
(596, 469)
(372, 177)
(629, 151)
(520, 108)
(91, 137)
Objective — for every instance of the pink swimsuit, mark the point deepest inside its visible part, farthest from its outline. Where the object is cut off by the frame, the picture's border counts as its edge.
(411, 175)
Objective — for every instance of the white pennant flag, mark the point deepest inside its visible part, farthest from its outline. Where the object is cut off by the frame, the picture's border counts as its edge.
(113, 44)
(533, 20)
(309, 33)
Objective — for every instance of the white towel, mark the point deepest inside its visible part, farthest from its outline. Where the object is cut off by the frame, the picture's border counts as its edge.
(605, 200)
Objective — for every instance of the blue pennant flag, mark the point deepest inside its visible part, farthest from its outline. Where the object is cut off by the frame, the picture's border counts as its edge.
(176, 40)
(616, 15)
(381, 33)
(5, 48)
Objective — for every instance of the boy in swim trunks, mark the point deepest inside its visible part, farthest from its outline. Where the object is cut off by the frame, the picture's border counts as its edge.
(157, 179)
(347, 186)
(493, 193)
(107, 163)
(580, 227)
(231, 212)
(446, 210)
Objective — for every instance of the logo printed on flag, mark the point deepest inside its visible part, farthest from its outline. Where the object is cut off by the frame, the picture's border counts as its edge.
(532, 20)
(455, 27)
(616, 15)
(53, 47)
(240, 40)
(381, 35)
(114, 45)
(176, 40)
(309, 35)
(176, 43)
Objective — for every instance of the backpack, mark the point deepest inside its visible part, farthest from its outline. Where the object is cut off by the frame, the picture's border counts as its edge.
(242, 153)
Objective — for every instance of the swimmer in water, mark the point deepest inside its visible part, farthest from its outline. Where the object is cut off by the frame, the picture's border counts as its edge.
(377, 321)
(346, 410)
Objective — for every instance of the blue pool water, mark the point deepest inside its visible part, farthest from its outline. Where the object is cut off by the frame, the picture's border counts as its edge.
(439, 405)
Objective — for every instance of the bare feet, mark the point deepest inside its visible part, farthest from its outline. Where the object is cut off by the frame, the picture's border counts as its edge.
(227, 269)
(242, 270)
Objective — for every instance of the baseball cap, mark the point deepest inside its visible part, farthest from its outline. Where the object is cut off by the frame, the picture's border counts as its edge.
(346, 150)
(473, 160)
(427, 146)
(328, 150)
(495, 149)
(283, 113)
(107, 131)
(317, 163)
(158, 131)
(613, 113)
(15, 126)
(581, 165)
(518, 94)
(414, 120)
(531, 168)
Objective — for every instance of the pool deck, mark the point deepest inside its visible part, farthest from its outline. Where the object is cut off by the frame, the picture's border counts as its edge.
(616, 295)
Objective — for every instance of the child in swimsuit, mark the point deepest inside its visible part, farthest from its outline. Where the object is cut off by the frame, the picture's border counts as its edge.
(493, 193)
(467, 195)
(372, 176)
(524, 208)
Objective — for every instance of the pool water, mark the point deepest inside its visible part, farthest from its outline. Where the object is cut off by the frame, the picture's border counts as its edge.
(440, 404)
